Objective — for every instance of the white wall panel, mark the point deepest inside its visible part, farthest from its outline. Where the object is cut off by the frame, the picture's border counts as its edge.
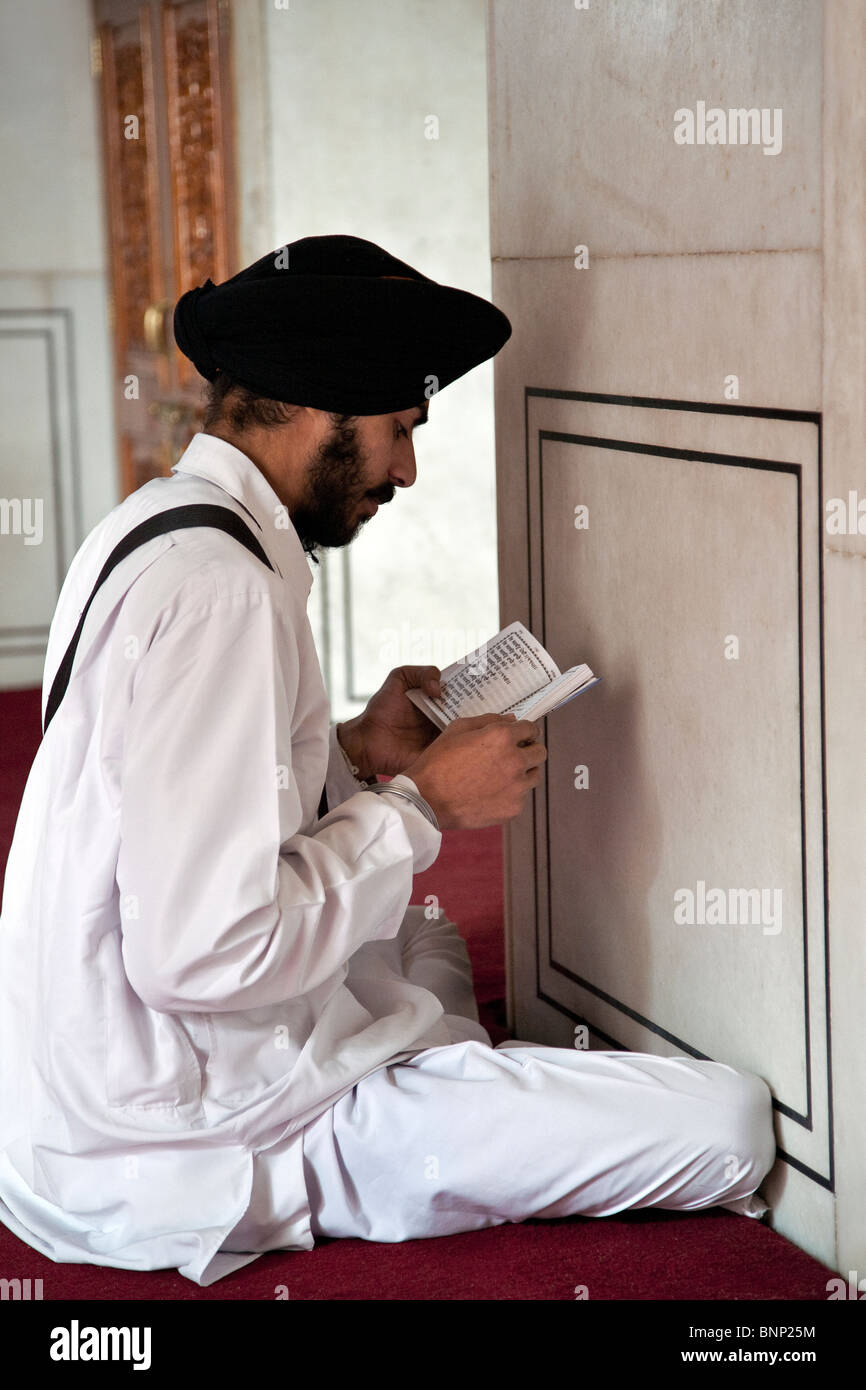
(56, 408)
(695, 760)
(706, 500)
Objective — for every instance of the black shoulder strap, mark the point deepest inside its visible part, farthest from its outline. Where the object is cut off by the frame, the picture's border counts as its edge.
(175, 519)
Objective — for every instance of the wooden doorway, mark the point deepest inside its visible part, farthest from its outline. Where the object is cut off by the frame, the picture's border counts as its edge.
(164, 69)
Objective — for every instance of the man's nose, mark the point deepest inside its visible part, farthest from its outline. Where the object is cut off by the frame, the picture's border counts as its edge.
(404, 472)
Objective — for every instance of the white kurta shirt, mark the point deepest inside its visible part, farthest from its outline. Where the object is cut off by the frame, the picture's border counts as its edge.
(182, 974)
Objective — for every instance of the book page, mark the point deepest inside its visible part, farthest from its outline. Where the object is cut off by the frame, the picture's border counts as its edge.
(559, 692)
(495, 677)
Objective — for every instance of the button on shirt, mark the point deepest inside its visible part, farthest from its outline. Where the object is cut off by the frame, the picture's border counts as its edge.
(183, 979)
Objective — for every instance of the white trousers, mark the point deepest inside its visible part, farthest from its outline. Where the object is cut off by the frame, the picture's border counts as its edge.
(465, 1136)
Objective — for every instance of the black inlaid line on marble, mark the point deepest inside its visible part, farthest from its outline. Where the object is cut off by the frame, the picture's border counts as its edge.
(701, 456)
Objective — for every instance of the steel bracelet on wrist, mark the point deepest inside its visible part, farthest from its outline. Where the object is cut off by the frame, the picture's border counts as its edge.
(415, 798)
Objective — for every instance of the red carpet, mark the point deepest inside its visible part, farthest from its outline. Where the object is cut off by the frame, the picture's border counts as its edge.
(647, 1255)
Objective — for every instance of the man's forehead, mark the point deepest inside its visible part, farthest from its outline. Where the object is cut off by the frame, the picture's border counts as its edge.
(421, 413)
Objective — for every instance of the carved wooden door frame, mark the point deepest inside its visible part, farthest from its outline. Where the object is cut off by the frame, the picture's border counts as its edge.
(167, 123)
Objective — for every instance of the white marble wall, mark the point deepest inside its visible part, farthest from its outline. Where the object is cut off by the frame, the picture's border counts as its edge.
(56, 426)
(334, 99)
(703, 263)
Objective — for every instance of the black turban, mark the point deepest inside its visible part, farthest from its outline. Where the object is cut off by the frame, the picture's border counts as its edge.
(314, 323)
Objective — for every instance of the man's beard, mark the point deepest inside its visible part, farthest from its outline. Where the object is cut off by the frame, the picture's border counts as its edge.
(328, 515)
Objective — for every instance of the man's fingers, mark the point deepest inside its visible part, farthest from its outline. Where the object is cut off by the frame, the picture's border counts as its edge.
(534, 754)
(527, 730)
(414, 676)
(524, 730)
(480, 721)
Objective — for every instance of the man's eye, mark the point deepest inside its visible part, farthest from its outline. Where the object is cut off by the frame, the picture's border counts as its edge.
(402, 428)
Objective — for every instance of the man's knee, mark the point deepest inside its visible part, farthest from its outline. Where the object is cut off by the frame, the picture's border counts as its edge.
(742, 1125)
(429, 927)
(436, 957)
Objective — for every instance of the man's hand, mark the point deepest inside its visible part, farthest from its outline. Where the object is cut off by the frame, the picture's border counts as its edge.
(480, 770)
(390, 733)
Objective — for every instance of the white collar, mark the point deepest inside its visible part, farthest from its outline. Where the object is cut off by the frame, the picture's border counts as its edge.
(208, 456)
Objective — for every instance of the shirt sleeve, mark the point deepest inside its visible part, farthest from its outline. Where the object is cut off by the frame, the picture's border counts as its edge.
(225, 904)
(341, 782)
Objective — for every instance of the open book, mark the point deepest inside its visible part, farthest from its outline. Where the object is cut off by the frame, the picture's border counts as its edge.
(509, 674)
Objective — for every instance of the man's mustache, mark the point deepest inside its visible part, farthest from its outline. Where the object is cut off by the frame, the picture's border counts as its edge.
(382, 494)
